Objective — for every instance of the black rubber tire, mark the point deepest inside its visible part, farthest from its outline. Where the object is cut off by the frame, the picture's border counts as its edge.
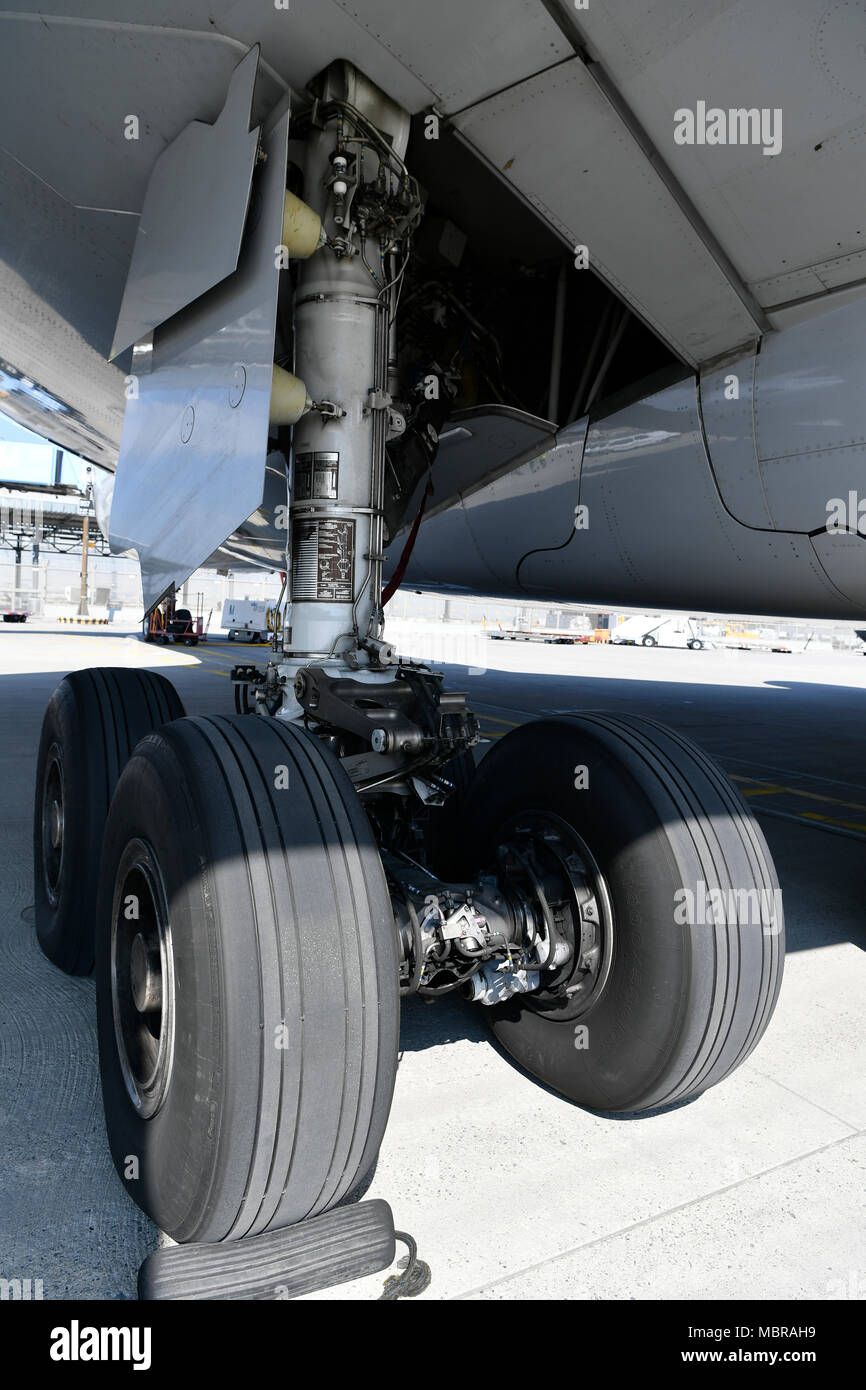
(280, 917)
(95, 718)
(182, 615)
(683, 1005)
(648, 642)
(444, 840)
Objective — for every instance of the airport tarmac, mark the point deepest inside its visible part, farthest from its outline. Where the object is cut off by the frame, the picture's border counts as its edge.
(753, 1190)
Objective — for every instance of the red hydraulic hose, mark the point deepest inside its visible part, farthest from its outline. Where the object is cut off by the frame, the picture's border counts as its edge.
(402, 564)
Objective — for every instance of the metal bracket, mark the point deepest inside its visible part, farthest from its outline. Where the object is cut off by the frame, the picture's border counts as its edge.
(411, 715)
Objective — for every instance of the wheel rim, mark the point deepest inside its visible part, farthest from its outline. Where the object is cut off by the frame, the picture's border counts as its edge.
(575, 893)
(53, 823)
(142, 978)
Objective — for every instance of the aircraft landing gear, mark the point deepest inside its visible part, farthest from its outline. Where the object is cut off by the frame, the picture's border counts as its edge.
(609, 900)
(270, 885)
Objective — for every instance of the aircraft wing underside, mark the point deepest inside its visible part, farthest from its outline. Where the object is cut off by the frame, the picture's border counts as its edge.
(708, 161)
(574, 108)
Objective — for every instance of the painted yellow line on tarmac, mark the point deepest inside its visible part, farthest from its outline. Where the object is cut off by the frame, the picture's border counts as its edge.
(239, 647)
(762, 790)
(224, 656)
(830, 800)
(831, 820)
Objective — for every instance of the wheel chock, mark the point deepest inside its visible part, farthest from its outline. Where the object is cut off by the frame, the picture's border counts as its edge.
(317, 1254)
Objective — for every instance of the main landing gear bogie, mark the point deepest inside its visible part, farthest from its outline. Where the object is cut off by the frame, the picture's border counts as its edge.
(263, 902)
(260, 890)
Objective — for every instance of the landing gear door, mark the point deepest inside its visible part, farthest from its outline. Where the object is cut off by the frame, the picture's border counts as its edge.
(192, 455)
(192, 222)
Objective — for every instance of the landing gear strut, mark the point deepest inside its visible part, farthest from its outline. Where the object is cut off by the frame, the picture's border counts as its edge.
(271, 885)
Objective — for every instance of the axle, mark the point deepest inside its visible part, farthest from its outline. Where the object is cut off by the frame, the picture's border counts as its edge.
(534, 921)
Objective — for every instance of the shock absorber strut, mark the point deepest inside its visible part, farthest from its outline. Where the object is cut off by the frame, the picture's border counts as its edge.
(355, 180)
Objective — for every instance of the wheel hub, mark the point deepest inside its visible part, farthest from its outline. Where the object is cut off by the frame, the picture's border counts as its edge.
(142, 978)
(53, 822)
(145, 973)
(551, 868)
(56, 814)
(539, 923)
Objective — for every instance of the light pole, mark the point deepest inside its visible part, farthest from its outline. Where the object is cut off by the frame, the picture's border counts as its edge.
(83, 609)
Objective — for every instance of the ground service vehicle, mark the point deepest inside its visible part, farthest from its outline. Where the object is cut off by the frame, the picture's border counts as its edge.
(660, 632)
(246, 619)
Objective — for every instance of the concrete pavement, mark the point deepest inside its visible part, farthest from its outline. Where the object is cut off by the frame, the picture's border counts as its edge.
(753, 1190)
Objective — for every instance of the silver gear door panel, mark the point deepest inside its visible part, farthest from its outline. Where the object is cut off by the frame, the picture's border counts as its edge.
(195, 436)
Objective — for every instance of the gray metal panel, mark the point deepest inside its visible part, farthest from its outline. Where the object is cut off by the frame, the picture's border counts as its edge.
(563, 147)
(535, 507)
(175, 502)
(820, 281)
(810, 416)
(729, 427)
(68, 83)
(475, 446)
(58, 382)
(810, 388)
(843, 557)
(792, 223)
(93, 431)
(658, 533)
(446, 557)
(57, 248)
(259, 541)
(800, 487)
(52, 381)
(530, 506)
(303, 39)
(464, 49)
(776, 215)
(797, 435)
(804, 310)
(191, 224)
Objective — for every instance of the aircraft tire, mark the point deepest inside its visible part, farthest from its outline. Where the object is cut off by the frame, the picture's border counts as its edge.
(248, 1013)
(93, 721)
(678, 999)
(446, 848)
